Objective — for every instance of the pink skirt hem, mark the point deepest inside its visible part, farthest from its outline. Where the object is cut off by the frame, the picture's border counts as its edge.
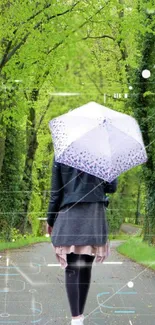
(100, 252)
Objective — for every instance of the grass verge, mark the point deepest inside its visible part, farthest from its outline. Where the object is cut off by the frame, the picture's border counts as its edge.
(119, 236)
(34, 240)
(138, 251)
(23, 242)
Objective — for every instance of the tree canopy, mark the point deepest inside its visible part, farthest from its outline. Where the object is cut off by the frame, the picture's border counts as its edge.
(95, 50)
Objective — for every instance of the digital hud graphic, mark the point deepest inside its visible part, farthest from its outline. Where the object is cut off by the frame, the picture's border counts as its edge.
(32, 290)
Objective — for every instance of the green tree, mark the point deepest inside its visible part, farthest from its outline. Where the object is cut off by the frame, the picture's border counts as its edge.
(143, 104)
(73, 46)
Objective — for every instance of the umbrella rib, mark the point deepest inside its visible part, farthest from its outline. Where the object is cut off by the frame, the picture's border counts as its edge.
(80, 136)
(107, 132)
(128, 135)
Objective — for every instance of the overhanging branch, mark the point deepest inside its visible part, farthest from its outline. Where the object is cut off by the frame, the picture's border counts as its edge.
(99, 37)
(44, 113)
(6, 58)
(33, 16)
(75, 30)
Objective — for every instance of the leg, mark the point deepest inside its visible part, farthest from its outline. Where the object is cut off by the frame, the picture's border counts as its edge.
(72, 283)
(84, 280)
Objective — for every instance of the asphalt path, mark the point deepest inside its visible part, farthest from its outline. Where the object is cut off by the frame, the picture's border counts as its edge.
(130, 229)
(32, 290)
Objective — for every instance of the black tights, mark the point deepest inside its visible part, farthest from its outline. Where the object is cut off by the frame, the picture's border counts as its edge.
(77, 281)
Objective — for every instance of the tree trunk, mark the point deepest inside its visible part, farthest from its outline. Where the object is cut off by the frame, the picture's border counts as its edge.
(10, 198)
(32, 145)
(143, 104)
(2, 146)
(138, 205)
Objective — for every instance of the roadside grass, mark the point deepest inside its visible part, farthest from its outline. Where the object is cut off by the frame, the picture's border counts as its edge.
(120, 235)
(23, 242)
(138, 251)
(34, 240)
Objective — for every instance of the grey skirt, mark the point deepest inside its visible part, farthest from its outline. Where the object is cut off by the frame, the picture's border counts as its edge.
(80, 224)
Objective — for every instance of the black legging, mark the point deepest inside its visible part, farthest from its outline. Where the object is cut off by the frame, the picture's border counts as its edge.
(77, 281)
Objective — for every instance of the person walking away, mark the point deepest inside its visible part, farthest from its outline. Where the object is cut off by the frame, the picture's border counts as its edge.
(76, 221)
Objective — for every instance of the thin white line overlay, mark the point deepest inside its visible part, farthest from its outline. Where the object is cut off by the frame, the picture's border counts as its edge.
(117, 263)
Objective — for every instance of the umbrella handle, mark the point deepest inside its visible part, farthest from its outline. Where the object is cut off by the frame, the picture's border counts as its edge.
(106, 201)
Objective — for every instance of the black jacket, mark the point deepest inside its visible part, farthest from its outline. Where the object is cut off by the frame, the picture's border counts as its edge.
(70, 185)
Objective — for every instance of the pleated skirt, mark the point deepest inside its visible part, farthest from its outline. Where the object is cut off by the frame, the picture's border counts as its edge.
(81, 228)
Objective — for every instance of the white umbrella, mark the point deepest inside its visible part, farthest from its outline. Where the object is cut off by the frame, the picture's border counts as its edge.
(98, 140)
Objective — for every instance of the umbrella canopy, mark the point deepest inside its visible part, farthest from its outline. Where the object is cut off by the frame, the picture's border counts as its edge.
(98, 140)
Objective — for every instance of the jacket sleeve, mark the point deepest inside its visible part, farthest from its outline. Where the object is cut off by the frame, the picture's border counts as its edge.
(55, 194)
(111, 187)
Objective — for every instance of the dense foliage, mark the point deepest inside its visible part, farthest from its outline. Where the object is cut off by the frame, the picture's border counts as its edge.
(92, 48)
